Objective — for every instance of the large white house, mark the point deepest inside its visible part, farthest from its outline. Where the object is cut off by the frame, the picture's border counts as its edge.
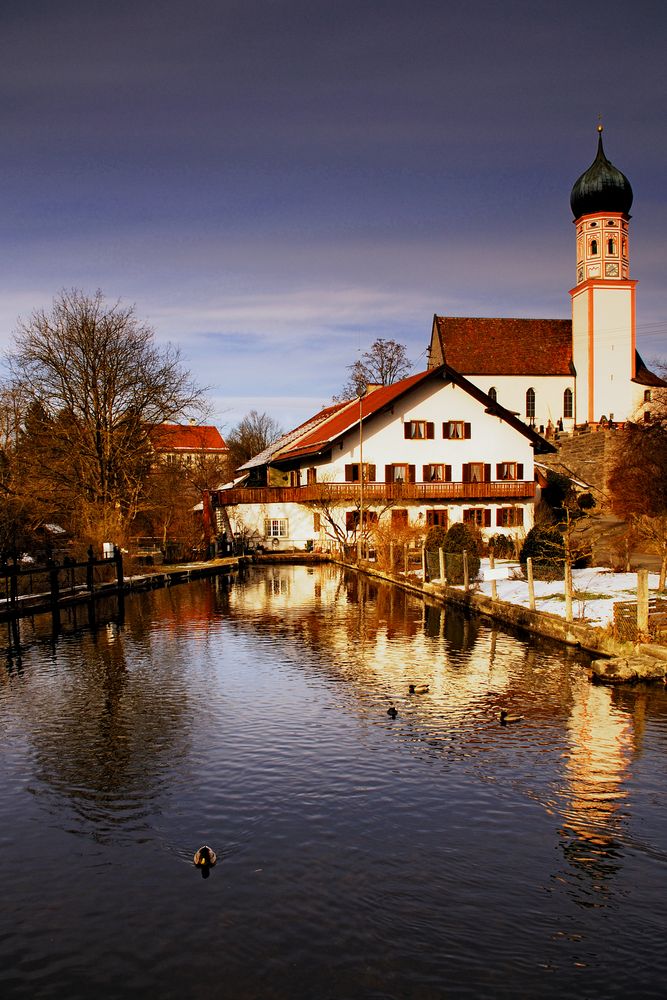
(430, 449)
(567, 372)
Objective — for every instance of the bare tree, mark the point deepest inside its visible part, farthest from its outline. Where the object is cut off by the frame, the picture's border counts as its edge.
(97, 384)
(253, 434)
(385, 362)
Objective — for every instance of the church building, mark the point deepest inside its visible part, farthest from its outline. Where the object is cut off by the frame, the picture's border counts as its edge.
(562, 373)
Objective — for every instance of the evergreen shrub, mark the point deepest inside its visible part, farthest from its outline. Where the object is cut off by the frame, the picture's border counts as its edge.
(462, 537)
(546, 548)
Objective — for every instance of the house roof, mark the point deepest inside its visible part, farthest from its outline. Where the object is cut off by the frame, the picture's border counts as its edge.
(264, 457)
(186, 437)
(493, 346)
(645, 377)
(345, 417)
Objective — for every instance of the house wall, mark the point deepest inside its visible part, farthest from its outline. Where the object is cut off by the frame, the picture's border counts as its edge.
(383, 443)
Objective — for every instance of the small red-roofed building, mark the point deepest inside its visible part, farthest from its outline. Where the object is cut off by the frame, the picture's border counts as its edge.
(188, 444)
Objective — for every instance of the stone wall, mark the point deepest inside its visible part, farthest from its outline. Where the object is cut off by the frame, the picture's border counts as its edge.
(587, 457)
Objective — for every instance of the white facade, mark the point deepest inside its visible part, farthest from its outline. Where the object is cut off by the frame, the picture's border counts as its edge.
(485, 475)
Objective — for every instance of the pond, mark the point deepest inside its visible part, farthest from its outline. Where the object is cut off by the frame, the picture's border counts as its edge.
(434, 854)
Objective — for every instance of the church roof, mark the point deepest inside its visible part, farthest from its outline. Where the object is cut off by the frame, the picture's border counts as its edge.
(486, 346)
(645, 377)
(601, 188)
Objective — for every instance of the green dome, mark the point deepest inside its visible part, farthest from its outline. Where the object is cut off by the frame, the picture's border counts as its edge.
(602, 188)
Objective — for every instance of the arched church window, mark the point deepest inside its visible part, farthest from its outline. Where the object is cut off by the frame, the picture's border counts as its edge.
(493, 394)
(530, 403)
(594, 248)
(611, 246)
(567, 404)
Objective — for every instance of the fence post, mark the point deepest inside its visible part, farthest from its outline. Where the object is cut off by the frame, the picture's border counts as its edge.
(492, 566)
(55, 594)
(441, 561)
(424, 573)
(405, 558)
(642, 605)
(391, 556)
(13, 585)
(90, 575)
(568, 591)
(531, 585)
(466, 574)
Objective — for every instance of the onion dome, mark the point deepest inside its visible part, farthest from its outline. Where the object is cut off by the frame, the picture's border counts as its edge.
(602, 188)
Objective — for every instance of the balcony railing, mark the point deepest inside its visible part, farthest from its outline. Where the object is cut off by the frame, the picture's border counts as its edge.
(378, 493)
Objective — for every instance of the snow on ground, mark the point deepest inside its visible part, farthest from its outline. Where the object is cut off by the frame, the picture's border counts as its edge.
(595, 591)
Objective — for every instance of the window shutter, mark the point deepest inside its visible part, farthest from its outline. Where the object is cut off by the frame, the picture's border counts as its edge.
(487, 473)
(388, 473)
(519, 472)
(411, 473)
(371, 473)
(498, 467)
(519, 516)
(407, 429)
(466, 430)
(487, 518)
(448, 473)
(465, 470)
(445, 430)
(348, 473)
(430, 430)
(425, 478)
(499, 517)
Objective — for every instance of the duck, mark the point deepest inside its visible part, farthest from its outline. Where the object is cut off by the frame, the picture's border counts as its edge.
(418, 688)
(392, 711)
(506, 719)
(205, 857)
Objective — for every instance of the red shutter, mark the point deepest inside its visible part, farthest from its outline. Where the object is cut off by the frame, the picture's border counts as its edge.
(519, 516)
(498, 470)
(411, 473)
(407, 429)
(348, 473)
(445, 430)
(389, 473)
(487, 518)
(487, 473)
(519, 472)
(430, 430)
(448, 473)
(371, 473)
(465, 472)
(425, 474)
(466, 430)
(499, 517)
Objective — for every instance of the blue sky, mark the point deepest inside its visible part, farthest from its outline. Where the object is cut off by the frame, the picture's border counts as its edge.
(276, 183)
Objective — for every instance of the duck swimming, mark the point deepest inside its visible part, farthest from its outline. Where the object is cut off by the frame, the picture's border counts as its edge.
(418, 688)
(392, 711)
(205, 857)
(506, 719)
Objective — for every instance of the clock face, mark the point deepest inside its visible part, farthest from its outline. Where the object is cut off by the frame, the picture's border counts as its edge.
(611, 270)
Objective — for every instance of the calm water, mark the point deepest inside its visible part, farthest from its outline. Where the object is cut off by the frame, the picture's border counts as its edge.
(434, 855)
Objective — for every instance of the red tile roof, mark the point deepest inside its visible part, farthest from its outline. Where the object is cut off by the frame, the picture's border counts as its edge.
(186, 437)
(506, 346)
(346, 416)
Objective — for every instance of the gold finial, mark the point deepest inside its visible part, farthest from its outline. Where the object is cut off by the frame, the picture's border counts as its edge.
(600, 126)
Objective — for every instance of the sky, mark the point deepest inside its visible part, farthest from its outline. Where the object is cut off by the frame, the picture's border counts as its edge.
(276, 183)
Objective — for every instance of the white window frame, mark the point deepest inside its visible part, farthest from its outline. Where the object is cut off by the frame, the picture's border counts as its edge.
(276, 527)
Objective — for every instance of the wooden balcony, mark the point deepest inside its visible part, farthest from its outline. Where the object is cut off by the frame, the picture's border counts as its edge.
(379, 493)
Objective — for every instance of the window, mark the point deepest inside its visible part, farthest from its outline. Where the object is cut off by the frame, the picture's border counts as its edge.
(476, 472)
(509, 470)
(437, 473)
(568, 410)
(454, 430)
(276, 527)
(509, 517)
(317, 522)
(418, 430)
(399, 518)
(295, 477)
(647, 395)
(399, 472)
(311, 476)
(479, 516)
(493, 394)
(436, 517)
(351, 520)
(530, 403)
(352, 472)
(594, 248)
(611, 246)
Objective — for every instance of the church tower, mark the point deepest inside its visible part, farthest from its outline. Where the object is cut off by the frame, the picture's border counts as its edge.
(603, 299)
